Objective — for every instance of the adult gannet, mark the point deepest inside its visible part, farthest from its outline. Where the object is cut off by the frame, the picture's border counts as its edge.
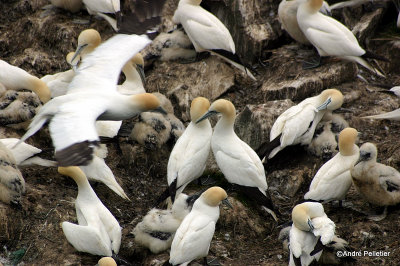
(207, 32)
(379, 184)
(26, 154)
(97, 170)
(106, 261)
(158, 227)
(15, 78)
(333, 179)
(88, 40)
(187, 160)
(238, 161)
(12, 184)
(193, 237)
(330, 37)
(70, 5)
(97, 232)
(310, 226)
(297, 124)
(92, 96)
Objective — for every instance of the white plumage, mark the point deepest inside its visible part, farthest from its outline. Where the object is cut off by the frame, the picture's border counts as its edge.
(333, 179)
(97, 231)
(102, 6)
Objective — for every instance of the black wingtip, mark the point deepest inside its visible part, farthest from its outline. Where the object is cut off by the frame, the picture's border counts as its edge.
(369, 54)
(265, 149)
(76, 154)
(164, 195)
(317, 248)
(172, 189)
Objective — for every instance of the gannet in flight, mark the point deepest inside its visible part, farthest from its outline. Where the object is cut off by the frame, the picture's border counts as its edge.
(379, 184)
(193, 237)
(92, 95)
(333, 179)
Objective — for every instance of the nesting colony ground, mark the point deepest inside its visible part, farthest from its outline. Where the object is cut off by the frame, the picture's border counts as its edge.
(37, 40)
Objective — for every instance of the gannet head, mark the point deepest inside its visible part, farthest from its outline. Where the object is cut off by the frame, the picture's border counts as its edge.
(347, 139)
(314, 5)
(41, 89)
(74, 172)
(147, 102)
(87, 40)
(76, 61)
(222, 106)
(368, 152)
(331, 99)
(138, 60)
(199, 107)
(214, 196)
(304, 212)
(107, 261)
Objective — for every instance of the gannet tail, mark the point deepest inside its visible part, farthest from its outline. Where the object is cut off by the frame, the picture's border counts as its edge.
(232, 59)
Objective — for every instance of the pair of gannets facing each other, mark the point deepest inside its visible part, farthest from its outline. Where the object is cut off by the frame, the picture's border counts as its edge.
(158, 227)
(15, 78)
(193, 237)
(97, 232)
(330, 37)
(92, 95)
(379, 184)
(236, 159)
(333, 179)
(70, 5)
(311, 230)
(207, 32)
(187, 160)
(297, 124)
(12, 184)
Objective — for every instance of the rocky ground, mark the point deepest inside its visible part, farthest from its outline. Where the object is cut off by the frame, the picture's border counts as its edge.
(37, 40)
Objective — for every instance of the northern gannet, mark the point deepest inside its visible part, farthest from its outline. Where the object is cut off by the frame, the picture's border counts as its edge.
(193, 237)
(237, 160)
(297, 124)
(207, 32)
(310, 227)
(379, 184)
(88, 40)
(330, 37)
(92, 95)
(187, 160)
(12, 184)
(15, 78)
(97, 231)
(333, 179)
(106, 261)
(70, 5)
(26, 154)
(158, 227)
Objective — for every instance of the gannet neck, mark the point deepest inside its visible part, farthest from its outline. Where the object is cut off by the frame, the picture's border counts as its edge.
(145, 102)
(190, 2)
(131, 74)
(77, 175)
(198, 108)
(213, 196)
(347, 140)
(303, 213)
(40, 88)
(314, 6)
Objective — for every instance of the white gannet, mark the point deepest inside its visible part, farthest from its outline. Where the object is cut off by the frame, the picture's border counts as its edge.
(158, 227)
(97, 170)
(15, 78)
(58, 83)
(97, 231)
(92, 96)
(26, 154)
(287, 13)
(393, 115)
(311, 229)
(333, 179)
(330, 37)
(102, 6)
(70, 5)
(297, 124)
(187, 160)
(106, 261)
(12, 184)
(207, 32)
(379, 184)
(88, 40)
(193, 237)
(237, 160)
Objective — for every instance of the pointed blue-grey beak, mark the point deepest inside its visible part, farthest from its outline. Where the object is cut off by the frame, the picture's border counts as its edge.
(140, 70)
(227, 203)
(324, 105)
(206, 115)
(159, 110)
(78, 51)
(310, 225)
